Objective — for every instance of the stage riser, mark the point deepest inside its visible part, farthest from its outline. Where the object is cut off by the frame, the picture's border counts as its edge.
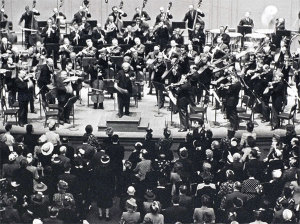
(123, 127)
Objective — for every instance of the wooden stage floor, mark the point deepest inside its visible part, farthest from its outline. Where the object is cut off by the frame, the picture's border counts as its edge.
(85, 115)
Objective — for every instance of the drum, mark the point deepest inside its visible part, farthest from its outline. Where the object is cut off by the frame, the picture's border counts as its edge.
(255, 38)
(264, 31)
(234, 37)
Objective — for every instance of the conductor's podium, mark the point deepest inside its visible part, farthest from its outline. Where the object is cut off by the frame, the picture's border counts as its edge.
(132, 123)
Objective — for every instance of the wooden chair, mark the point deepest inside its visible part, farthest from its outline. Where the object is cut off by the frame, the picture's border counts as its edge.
(246, 116)
(200, 110)
(10, 112)
(244, 104)
(51, 106)
(288, 115)
(50, 114)
(195, 117)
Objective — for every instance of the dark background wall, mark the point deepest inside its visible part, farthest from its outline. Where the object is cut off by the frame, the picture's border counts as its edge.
(219, 12)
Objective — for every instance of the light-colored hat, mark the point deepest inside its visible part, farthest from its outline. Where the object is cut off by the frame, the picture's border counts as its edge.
(51, 124)
(47, 148)
(43, 139)
(12, 156)
(131, 202)
(276, 173)
(130, 190)
(287, 214)
(40, 187)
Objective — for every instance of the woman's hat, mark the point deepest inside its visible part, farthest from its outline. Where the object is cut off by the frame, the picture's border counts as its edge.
(131, 190)
(62, 185)
(131, 203)
(51, 124)
(104, 160)
(43, 139)
(149, 195)
(40, 187)
(47, 148)
(12, 156)
(37, 198)
(14, 184)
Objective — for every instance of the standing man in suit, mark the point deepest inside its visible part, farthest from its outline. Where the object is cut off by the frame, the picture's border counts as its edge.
(23, 88)
(190, 18)
(184, 98)
(28, 18)
(124, 88)
(46, 73)
(247, 21)
(232, 99)
(175, 213)
(51, 37)
(83, 12)
(277, 90)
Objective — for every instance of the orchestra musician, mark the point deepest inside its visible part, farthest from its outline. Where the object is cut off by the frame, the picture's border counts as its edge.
(64, 52)
(177, 37)
(149, 36)
(97, 84)
(115, 49)
(98, 36)
(232, 98)
(191, 53)
(28, 18)
(151, 58)
(85, 28)
(76, 84)
(139, 47)
(140, 28)
(9, 80)
(198, 38)
(143, 15)
(30, 73)
(76, 35)
(23, 85)
(3, 16)
(37, 52)
(163, 17)
(124, 89)
(104, 63)
(45, 78)
(64, 97)
(83, 12)
(220, 49)
(51, 33)
(58, 17)
(89, 50)
(173, 50)
(247, 21)
(159, 70)
(117, 14)
(5, 49)
(203, 76)
(184, 98)
(162, 35)
(276, 89)
(128, 36)
(110, 29)
(190, 18)
(224, 35)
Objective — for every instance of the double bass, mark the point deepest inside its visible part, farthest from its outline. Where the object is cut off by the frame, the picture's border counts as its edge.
(35, 35)
(119, 22)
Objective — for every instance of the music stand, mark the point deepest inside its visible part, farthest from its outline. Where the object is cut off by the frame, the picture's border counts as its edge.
(180, 25)
(117, 61)
(283, 33)
(161, 87)
(41, 24)
(93, 23)
(244, 30)
(215, 95)
(127, 23)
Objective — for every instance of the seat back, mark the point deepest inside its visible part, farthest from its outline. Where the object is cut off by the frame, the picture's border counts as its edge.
(293, 111)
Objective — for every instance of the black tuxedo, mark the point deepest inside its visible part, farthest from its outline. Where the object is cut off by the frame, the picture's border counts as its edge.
(190, 18)
(198, 39)
(143, 14)
(24, 96)
(184, 98)
(232, 99)
(278, 96)
(4, 48)
(246, 22)
(96, 35)
(79, 15)
(178, 39)
(124, 82)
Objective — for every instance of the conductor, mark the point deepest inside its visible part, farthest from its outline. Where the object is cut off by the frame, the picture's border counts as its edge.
(124, 89)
